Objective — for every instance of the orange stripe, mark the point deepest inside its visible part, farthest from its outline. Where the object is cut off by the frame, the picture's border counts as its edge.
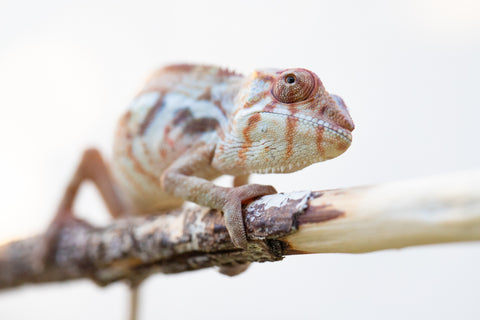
(148, 154)
(290, 134)
(253, 100)
(132, 182)
(206, 95)
(270, 107)
(218, 104)
(138, 166)
(319, 139)
(251, 124)
(151, 115)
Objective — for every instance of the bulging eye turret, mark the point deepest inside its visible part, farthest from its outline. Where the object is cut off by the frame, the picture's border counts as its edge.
(294, 86)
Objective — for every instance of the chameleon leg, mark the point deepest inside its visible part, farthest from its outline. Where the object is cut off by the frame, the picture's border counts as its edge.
(91, 167)
(180, 180)
(234, 270)
(240, 180)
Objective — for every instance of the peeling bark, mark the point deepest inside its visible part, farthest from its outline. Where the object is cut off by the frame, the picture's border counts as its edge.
(132, 249)
(361, 219)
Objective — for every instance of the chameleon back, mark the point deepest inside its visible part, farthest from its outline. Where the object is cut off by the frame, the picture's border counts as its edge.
(178, 106)
(273, 121)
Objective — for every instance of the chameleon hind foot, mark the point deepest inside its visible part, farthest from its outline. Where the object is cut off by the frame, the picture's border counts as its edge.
(93, 168)
(46, 249)
(234, 270)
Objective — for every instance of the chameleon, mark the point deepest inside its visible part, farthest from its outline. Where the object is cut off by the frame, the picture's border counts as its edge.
(190, 124)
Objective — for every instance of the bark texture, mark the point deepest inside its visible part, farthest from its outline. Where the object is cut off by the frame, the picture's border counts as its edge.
(362, 219)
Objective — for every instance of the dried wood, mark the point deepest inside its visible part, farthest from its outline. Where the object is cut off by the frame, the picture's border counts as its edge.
(350, 220)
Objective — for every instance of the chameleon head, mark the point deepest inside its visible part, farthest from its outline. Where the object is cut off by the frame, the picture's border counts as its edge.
(283, 121)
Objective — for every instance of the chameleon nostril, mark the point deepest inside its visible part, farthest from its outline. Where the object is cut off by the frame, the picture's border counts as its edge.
(345, 121)
(349, 125)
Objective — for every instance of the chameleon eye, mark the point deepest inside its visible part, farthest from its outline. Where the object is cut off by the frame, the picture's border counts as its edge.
(294, 86)
(290, 78)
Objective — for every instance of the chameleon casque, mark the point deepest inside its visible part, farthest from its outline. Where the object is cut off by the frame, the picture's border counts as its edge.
(191, 123)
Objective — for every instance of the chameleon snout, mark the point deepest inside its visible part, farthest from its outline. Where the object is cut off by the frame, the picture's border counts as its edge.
(342, 118)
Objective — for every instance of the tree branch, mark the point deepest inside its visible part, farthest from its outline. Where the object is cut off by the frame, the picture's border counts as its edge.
(352, 220)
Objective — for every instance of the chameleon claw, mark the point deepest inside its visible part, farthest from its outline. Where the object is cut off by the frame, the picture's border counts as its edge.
(234, 223)
(233, 210)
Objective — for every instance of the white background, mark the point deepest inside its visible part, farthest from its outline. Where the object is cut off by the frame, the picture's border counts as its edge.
(408, 70)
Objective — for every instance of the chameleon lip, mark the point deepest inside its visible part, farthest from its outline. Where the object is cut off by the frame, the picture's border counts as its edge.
(345, 134)
(286, 168)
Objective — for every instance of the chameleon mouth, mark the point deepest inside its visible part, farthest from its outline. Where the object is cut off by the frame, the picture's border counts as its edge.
(287, 168)
(337, 130)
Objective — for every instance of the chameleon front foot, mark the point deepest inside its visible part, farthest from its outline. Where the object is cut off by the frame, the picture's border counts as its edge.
(232, 210)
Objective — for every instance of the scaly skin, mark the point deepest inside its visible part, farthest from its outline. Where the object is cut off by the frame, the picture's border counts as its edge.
(191, 124)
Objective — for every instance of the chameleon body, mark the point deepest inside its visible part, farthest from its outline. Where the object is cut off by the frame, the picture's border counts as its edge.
(190, 124)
